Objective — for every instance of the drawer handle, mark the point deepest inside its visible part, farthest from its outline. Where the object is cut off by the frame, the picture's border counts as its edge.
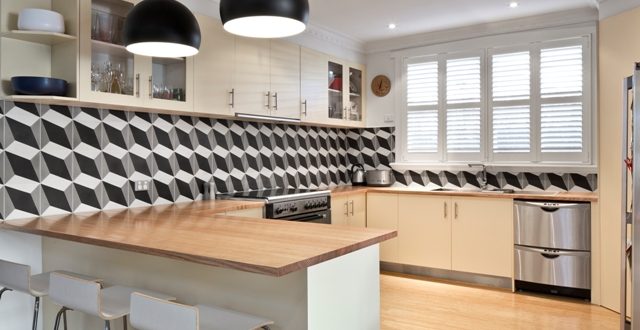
(549, 255)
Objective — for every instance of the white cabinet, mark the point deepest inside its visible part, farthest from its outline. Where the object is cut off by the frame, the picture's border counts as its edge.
(345, 93)
(382, 212)
(215, 63)
(31, 53)
(313, 82)
(266, 79)
(482, 236)
(349, 210)
(424, 231)
(109, 74)
(466, 234)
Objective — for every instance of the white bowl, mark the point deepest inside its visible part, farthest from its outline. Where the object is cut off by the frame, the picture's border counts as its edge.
(35, 19)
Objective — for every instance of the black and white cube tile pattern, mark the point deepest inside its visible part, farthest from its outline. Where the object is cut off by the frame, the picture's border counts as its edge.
(374, 148)
(60, 160)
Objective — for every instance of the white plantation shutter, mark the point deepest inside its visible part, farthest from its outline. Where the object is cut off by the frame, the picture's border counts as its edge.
(464, 90)
(561, 72)
(511, 98)
(561, 127)
(422, 107)
(511, 129)
(561, 109)
(522, 104)
(422, 84)
(422, 131)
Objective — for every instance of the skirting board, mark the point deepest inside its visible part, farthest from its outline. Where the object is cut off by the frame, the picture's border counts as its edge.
(493, 281)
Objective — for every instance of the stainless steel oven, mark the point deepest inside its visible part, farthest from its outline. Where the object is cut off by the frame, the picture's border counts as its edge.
(313, 206)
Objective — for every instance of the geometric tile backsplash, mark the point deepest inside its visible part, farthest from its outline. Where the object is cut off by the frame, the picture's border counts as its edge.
(59, 159)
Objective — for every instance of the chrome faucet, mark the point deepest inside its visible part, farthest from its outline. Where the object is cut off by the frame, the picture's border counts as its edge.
(483, 179)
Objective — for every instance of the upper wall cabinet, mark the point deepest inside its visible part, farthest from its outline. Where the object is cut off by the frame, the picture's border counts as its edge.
(109, 74)
(313, 82)
(31, 53)
(215, 63)
(267, 78)
(345, 92)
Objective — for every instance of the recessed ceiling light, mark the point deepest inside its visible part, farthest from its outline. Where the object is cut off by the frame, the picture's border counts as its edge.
(513, 4)
(391, 26)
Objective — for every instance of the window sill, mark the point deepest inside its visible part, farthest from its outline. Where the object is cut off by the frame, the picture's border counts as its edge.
(498, 167)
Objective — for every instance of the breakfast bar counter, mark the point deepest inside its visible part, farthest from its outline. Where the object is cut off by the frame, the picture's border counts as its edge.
(300, 275)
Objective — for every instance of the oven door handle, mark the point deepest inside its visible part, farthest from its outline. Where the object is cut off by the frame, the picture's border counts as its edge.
(306, 218)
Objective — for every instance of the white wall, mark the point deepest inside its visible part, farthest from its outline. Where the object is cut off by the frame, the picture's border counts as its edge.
(16, 309)
(380, 107)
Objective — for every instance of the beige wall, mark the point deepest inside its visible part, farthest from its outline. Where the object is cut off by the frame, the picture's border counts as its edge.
(619, 48)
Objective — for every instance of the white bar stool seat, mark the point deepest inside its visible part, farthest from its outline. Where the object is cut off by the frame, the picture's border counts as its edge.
(17, 277)
(89, 297)
(149, 313)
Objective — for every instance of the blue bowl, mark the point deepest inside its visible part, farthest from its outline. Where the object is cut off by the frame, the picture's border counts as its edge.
(39, 86)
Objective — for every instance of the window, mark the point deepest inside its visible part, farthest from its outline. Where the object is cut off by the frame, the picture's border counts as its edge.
(499, 105)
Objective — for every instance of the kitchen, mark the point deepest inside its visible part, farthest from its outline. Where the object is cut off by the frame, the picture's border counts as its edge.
(136, 134)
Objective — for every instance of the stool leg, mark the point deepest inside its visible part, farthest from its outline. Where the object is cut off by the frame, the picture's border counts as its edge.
(62, 313)
(3, 291)
(107, 325)
(64, 318)
(124, 322)
(36, 309)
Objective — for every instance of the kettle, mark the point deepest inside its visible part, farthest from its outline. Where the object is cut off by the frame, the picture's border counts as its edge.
(357, 175)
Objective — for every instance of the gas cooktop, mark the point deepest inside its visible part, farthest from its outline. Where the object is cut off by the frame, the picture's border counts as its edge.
(274, 194)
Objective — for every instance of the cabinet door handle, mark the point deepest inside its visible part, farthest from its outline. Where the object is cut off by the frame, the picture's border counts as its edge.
(455, 210)
(275, 98)
(233, 98)
(304, 112)
(137, 85)
(352, 208)
(268, 105)
(346, 208)
(150, 87)
(445, 210)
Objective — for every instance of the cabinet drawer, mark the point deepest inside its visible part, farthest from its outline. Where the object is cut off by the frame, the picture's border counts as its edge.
(562, 268)
(565, 226)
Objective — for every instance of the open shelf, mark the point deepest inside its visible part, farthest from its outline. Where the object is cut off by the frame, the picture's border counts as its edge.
(42, 99)
(40, 37)
(334, 90)
(110, 49)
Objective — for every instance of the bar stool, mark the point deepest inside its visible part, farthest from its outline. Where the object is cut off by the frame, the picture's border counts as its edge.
(150, 313)
(17, 277)
(89, 297)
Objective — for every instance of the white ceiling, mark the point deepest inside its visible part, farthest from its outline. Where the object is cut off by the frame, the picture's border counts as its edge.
(367, 20)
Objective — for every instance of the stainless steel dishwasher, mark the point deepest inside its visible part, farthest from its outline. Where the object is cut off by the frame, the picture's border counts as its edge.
(553, 247)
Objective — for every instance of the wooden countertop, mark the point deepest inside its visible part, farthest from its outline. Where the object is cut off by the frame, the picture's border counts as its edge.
(552, 196)
(192, 232)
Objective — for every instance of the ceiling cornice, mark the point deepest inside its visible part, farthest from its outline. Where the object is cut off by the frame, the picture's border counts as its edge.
(556, 19)
(610, 8)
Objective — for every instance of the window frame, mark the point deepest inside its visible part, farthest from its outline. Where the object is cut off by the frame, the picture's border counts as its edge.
(525, 41)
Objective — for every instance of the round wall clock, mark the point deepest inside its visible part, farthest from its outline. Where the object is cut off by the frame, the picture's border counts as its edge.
(381, 85)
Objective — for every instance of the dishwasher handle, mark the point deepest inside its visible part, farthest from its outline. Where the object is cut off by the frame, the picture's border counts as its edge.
(551, 253)
(551, 206)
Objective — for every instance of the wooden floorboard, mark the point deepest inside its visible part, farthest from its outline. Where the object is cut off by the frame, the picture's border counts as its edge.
(410, 302)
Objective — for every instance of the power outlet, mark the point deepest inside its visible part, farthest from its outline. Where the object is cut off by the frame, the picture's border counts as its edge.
(388, 118)
(142, 185)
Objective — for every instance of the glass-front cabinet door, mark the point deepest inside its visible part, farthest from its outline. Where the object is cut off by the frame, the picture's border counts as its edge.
(335, 90)
(169, 84)
(109, 74)
(354, 107)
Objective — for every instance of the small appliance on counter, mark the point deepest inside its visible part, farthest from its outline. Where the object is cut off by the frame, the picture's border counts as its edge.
(357, 175)
(379, 178)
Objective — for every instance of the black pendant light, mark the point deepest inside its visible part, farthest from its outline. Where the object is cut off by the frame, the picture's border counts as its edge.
(264, 18)
(161, 28)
